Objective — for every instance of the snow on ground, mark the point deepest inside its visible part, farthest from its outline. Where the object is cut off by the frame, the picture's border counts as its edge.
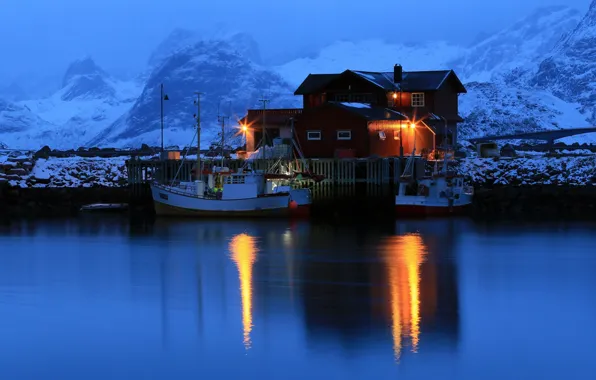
(78, 172)
(486, 172)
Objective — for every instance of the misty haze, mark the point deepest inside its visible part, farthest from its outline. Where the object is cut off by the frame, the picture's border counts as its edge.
(88, 74)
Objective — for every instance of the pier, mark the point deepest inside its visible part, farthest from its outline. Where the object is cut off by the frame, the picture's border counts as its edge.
(367, 185)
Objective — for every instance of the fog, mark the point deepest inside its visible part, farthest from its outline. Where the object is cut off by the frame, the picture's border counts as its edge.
(40, 36)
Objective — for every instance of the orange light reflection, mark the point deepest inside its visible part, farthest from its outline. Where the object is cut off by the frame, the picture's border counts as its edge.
(404, 256)
(244, 253)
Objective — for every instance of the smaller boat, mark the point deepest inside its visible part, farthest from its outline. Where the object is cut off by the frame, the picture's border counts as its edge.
(443, 193)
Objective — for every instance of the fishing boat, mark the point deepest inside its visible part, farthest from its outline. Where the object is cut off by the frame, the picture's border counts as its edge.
(219, 192)
(443, 193)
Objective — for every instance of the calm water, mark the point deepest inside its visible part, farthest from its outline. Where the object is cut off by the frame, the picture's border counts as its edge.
(100, 299)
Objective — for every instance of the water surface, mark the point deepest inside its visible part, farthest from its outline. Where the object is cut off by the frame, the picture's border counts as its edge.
(99, 298)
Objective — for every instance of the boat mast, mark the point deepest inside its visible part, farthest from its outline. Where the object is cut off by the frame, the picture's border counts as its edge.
(222, 119)
(198, 103)
(263, 139)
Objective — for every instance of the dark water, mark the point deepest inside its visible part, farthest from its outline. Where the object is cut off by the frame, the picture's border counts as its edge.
(101, 299)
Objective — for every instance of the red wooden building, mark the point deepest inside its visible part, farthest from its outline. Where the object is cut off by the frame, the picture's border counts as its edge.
(364, 114)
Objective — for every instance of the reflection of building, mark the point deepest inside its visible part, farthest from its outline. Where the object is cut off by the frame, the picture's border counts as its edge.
(381, 285)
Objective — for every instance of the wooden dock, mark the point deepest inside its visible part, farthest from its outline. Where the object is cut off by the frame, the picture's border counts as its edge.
(366, 183)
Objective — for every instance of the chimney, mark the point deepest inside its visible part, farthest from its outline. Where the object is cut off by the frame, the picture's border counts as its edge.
(397, 74)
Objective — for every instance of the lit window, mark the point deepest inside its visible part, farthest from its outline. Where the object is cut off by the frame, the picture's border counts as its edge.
(418, 99)
(313, 135)
(344, 135)
(395, 135)
(382, 135)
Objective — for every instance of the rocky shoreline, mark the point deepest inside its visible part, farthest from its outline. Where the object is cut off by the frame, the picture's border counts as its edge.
(553, 187)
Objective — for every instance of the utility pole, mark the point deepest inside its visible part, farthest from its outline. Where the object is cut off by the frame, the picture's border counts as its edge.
(199, 172)
(161, 100)
(222, 120)
(263, 139)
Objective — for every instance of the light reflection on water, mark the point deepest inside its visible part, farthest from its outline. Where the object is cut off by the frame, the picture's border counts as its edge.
(102, 298)
(244, 254)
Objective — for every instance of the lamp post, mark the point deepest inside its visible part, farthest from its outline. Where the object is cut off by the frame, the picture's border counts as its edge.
(162, 97)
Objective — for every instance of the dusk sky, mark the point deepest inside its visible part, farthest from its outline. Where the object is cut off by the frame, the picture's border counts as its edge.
(120, 34)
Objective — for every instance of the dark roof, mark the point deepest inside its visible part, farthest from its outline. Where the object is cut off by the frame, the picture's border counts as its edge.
(313, 82)
(370, 112)
(411, 81)
(274, 117)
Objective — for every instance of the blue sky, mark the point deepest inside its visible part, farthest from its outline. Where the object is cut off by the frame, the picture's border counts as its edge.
(120, 34)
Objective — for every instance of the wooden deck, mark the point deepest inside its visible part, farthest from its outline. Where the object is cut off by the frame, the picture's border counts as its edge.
(360, 183)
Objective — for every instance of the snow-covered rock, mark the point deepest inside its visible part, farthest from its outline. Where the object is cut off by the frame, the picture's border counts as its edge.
(229, 81)
(488, 172)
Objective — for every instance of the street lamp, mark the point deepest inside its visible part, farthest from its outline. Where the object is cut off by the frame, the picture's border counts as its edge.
(162, 98)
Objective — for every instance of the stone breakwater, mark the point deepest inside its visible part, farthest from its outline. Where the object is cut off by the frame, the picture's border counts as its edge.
(528, 172)
(25, 172)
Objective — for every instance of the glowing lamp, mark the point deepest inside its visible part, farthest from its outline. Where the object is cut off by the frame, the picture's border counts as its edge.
(394, 95)
(412, 125)
(244, 128)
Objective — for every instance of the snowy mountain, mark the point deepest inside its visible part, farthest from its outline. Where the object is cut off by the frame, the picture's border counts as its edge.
(519, 46)
(370, 55)
(18, 124)
(228, 79)
(180, 39)
(88, 102)
(492, 109)
(570, 70)
(539, 73)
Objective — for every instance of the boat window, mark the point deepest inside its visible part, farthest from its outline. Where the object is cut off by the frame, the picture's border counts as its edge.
(235, 179)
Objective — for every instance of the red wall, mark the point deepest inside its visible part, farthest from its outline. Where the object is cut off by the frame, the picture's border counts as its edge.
(330, 119)
(390, 146)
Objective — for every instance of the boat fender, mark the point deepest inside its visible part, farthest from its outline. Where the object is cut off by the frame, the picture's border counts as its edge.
(293, 204)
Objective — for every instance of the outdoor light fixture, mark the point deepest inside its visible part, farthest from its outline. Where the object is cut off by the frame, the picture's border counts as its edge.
(394, 95)
(244, 128)
(412, 125)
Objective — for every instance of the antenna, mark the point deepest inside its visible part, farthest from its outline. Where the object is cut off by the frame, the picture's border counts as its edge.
(264, 132)
(222, 119)
(197, 102)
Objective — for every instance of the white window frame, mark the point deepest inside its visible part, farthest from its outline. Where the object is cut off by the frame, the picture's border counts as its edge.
(418, 99)
(309, 137)
(349, 132)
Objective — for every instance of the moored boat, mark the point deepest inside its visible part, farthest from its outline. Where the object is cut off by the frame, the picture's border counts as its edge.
(224, 193)
(241, 194)
(443, 193)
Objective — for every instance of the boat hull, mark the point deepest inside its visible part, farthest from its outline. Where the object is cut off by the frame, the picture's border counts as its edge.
(171, 203)
(429, 211)
(419, 206)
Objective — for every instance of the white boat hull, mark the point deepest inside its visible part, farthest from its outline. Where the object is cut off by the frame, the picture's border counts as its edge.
(174, 203)
(411, 205)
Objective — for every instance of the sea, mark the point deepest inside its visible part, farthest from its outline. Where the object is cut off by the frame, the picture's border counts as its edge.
(108, 297)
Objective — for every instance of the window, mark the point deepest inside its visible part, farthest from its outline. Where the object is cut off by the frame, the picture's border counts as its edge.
(313, 135)
(395, 135)
(342, 98)
(344, 135)
(382, 136)
(418, 99)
